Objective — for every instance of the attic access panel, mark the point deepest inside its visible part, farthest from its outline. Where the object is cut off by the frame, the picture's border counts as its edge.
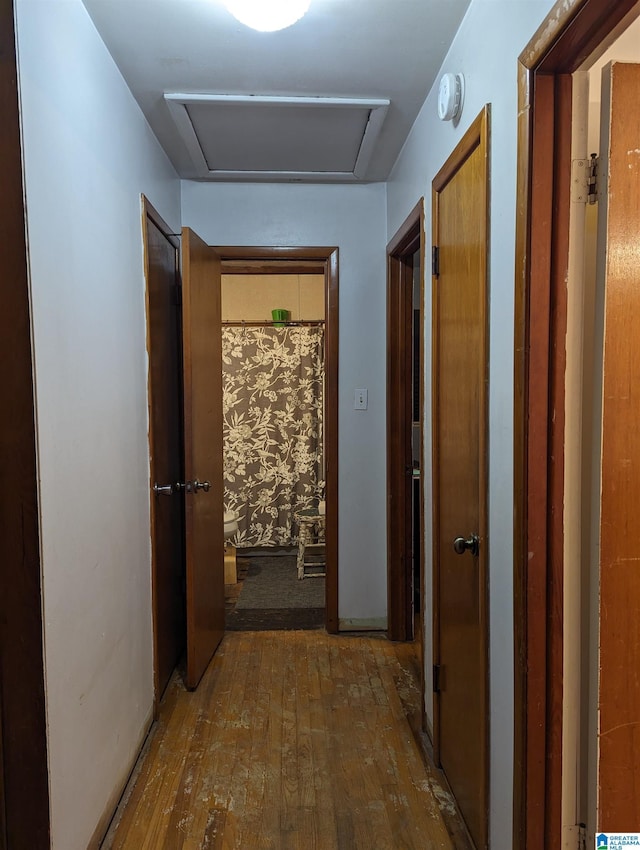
(278, 138)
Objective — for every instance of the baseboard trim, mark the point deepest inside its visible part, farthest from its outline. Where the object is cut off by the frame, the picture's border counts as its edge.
(111, 808)
(371, 624)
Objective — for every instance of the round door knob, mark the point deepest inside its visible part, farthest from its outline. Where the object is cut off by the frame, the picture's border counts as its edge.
(471, 544)
(201, 485)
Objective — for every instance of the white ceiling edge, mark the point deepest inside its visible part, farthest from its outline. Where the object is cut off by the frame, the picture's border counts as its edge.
(177, 103)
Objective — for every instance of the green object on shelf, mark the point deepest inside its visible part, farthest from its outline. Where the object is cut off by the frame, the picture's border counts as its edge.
(279, 317)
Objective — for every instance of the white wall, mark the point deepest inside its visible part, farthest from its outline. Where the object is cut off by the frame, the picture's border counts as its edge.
(353, 218)
(485, 50)
(88, 154)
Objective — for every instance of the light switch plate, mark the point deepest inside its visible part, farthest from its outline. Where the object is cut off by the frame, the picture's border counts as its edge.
(361, 399)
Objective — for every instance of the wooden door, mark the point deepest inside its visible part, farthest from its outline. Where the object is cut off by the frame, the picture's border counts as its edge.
(166, 448)
(619, 250)
(204, 505)
(460, 199)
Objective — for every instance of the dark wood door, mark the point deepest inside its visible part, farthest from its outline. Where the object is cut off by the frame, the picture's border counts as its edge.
(459, 469)
(619, 681)
(166, 445)
(204, 505)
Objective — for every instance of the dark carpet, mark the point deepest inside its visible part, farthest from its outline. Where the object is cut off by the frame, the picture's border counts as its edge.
(272, 597)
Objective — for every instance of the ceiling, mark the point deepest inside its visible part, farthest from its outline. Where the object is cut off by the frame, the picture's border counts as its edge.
(331, 98)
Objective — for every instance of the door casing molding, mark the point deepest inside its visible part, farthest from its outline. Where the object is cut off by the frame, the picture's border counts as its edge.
(408, 240)
(24, 777)
(571, 33)
(318, 259)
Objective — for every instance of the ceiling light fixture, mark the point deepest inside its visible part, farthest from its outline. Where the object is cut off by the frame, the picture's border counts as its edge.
(268, 15)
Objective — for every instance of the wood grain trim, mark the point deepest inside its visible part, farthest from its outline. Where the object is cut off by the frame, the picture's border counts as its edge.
(241, 252)
(396, 620)
(537, 449)
(557, 370)
(521, 467)
(329, 256)
(571, 32)
(483, 485)
(435, 465)
(405, 239)
(291, 323)
(332, 352)
(465, 147)
(272, 267)
(422, 398)
(25, 801)
(400, 253)
(151, 214)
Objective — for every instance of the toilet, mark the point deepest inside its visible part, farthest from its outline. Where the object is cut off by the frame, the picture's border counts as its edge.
(230, 524)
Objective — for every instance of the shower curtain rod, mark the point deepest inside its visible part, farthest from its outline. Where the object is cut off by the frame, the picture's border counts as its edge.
(266, 324)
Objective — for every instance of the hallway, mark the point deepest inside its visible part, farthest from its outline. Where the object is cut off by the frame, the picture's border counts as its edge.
(292, 740)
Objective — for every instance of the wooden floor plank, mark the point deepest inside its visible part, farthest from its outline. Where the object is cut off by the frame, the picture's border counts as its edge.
(326, 836)
(293, 741)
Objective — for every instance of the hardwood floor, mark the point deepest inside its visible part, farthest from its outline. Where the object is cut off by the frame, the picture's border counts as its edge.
(293, 741)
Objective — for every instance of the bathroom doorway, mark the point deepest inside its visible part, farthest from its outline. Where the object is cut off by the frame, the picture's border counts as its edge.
(279, 342)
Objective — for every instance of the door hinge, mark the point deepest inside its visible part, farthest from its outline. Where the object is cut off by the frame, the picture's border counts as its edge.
(436, 678)
(435, 261)
(584, 180)
(574, 835)
(582, 836)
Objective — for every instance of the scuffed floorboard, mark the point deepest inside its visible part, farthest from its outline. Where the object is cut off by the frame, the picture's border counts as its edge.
(293, 741)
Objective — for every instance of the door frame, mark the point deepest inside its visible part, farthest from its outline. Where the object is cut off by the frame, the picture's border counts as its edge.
(570, 33)
(24, 788)
(407, 241)
(270, 260)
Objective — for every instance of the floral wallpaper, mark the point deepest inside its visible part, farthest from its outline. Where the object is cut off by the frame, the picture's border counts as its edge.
(273, 386)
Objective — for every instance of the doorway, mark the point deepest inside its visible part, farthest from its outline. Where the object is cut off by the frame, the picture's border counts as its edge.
(544, 616)
(191, 587)
(460, 545)
(273, 327)
(405, 347)
(254, 261)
